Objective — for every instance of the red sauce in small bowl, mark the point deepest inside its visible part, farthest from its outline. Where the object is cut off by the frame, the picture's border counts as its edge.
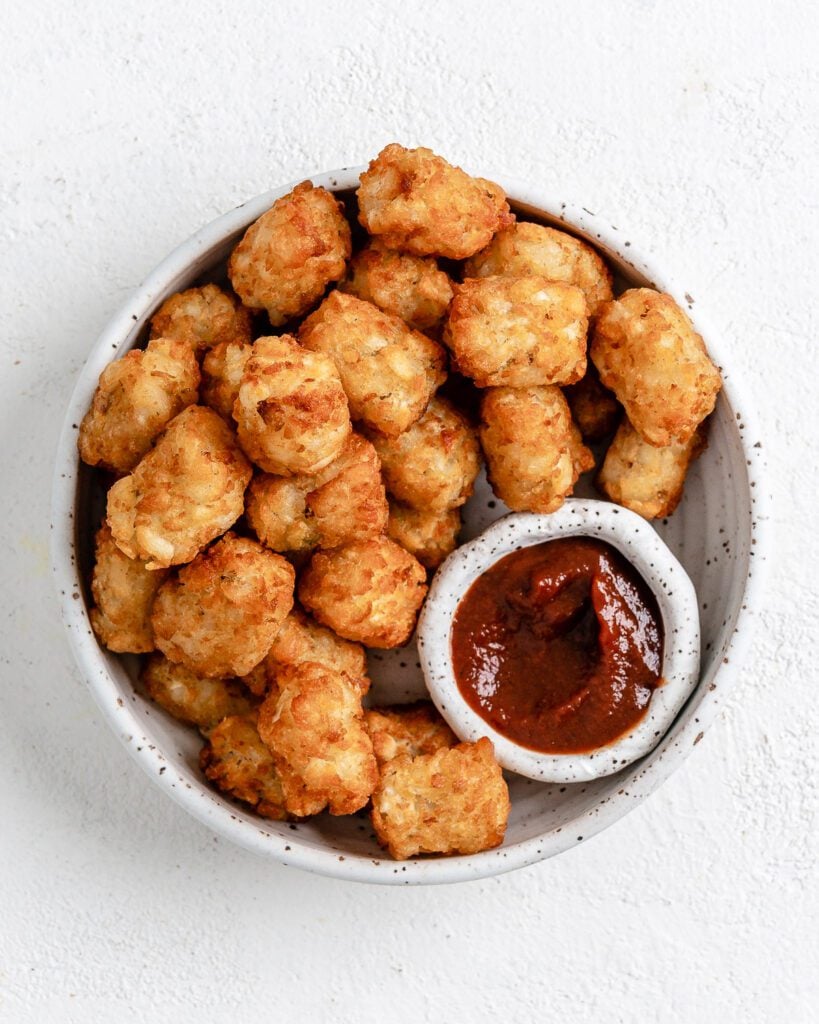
(559, 646)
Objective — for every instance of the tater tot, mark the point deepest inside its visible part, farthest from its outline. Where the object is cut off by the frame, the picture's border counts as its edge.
(413, 200)
(433, 464)
(452, 801)
(427, 534)
(343, 503)
(255, 681)
(191, 698)
(238, 763)
(123, 591)
(524, 249)
(276, 511)
(369, 592)
(290, 254)
(409, 729)
(185, 492)
(533, 450)
(219, 615)
(582, 457)
(517, 331)
(348, 501)
(222, 370)
(291, 411)
(137, 396)
(313, 724)
(651, 357)
(644, 478)
(389, 371)
(594, 408)
(302, 639)
(202, 317)
(412, 287)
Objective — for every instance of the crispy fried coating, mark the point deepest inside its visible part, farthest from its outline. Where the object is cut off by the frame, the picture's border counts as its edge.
(582, 457)
(433, 464)
(123, 591)
(201, 701)
(187, 490)
(415, 201)
(291, 411)
(646, 479)
(518, 331)
(291, 253)
(411, 730)
(220, 615)
(427, 534)
(203, 317)
(222, 371)
(302, 639)
(533, 450)
(389, 371)
(137, 396)
(344, 502)
(313, 724)
(235, 760)
(348, 501)
(452, 801)
(524, 249)
(256, 681)
(594, 408)
(650, 356)
(412, 287)
(276, 510)
(369, 591)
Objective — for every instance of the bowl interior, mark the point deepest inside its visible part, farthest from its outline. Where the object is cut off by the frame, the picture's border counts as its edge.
(710, 534)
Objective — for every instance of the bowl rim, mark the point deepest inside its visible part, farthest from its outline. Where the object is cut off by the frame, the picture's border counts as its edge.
(665, 577)
(170, 274)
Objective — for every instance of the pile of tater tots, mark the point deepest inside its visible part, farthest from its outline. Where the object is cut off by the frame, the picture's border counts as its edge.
(289, 457)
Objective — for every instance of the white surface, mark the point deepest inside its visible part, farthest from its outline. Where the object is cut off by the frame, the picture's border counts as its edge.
(678, 608)
(128, 126)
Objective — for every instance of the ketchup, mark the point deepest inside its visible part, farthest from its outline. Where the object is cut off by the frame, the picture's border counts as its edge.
(559, 646)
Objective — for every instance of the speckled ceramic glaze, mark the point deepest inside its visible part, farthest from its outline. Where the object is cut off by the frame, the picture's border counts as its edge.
(715, 534)
(642, 546)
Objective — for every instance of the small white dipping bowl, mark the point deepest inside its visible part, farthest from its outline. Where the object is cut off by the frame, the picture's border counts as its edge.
(635, 539)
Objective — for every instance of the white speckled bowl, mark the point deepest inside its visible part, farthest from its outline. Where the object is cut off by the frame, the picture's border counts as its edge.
(676, 599)
(715, 533)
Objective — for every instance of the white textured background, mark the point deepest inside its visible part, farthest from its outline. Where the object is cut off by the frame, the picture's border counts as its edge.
(125, 126)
